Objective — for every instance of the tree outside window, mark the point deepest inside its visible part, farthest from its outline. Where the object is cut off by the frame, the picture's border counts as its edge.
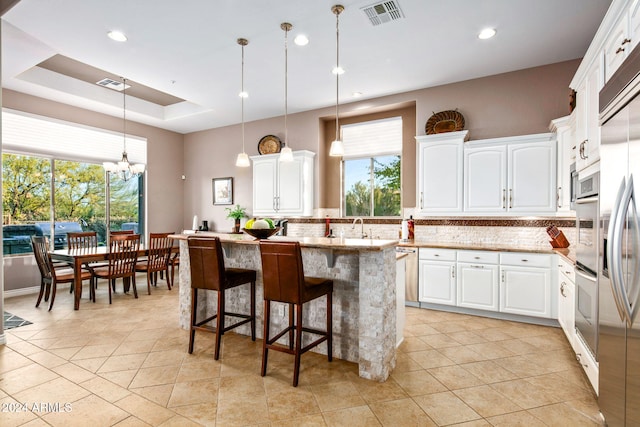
(372, 186)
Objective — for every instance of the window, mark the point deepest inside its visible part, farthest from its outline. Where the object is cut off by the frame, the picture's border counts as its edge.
(55, 167)
(371, 167)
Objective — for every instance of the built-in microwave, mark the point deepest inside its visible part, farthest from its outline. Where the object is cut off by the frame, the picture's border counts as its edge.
(573, 186)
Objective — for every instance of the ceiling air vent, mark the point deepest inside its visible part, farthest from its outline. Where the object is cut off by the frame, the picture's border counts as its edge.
(381, 13)
(113, 84)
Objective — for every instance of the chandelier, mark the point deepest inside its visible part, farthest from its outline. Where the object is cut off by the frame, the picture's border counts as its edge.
(124, 168)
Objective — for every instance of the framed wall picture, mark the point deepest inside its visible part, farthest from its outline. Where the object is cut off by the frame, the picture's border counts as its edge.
(223, 191)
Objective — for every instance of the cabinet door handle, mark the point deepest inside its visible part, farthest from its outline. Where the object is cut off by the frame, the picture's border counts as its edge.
(504, 198)
(421, 205)
(510, 198)
(625, 41)
(562, 285)
(620, 49)
(558, 197)
(502, 276)
(583, 152)
(453, 272)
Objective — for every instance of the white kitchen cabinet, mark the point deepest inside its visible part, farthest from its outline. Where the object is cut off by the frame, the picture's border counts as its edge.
(437, 276)
(511, 175)
(525, 285)
(440, 172)
(477, 284)
(283, 188)
(566, 300)
(485, 179)
(564, 127)
(587, 109)
(621, 38)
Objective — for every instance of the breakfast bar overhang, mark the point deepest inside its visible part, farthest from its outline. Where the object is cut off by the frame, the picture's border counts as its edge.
(364, 297)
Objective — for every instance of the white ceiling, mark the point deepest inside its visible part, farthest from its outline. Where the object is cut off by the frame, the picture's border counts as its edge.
(189, 50)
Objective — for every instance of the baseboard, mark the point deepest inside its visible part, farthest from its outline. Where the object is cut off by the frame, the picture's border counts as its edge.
(22, 291)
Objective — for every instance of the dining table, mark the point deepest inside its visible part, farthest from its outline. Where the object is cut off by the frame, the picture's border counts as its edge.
(78, 257)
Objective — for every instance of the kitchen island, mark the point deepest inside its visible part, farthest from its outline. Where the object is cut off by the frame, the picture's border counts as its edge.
(364, 296)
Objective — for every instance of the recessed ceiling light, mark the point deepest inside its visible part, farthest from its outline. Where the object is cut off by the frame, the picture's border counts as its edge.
(487, 33)
(117, 36)
(357, 94)
(301, 40)
(338, 70)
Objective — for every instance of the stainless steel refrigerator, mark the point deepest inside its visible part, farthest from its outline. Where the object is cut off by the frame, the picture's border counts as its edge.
(619, 267)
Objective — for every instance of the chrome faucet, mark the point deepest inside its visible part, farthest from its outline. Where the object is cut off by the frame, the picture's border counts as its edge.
(353, 227)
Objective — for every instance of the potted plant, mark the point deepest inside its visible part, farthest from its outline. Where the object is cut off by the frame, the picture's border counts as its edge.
(236, 213)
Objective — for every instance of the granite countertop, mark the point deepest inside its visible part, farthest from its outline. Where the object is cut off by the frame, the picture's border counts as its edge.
(305, 242)
(379, 244)
(568, 253)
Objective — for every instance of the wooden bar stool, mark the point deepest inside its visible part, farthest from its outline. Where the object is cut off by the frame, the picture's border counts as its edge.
(208, 272)
(284, 281)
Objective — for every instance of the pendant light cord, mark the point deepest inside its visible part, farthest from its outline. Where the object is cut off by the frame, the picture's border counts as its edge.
(286, 27)
(337, 10)
(242, 94)
(124, 114)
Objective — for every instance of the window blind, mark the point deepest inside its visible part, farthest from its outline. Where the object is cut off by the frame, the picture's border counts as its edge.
(30, 134)
(374, 138)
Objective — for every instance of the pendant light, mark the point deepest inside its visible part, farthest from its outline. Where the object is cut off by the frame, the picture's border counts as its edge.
(286, 155)
(242, 160)
(125, 169)
(337, 148)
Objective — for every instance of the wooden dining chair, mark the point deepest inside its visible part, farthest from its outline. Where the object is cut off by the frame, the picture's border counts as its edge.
(84, 240)
(157, 259)
(120, 232)
(50, 274)
(122, 258)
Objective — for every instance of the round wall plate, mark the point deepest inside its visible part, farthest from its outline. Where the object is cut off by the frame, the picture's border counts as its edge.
(269, 144)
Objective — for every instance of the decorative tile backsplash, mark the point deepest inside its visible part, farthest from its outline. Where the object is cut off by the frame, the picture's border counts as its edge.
(512, 231)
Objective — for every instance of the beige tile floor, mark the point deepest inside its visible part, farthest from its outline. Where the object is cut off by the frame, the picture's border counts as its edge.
(127, 365)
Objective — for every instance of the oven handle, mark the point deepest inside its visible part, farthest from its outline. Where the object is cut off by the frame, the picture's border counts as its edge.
(612, 254)
(586, 200)
(580, 272)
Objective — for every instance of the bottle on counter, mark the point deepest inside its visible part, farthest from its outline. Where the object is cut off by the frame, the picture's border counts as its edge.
(404, 232)
(411, 228)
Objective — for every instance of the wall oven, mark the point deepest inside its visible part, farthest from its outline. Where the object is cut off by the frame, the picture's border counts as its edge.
(587, 255)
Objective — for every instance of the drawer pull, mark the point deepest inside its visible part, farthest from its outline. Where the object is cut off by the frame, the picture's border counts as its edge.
(524, 260)
(476, 257)
(620, 49)
(436, 254)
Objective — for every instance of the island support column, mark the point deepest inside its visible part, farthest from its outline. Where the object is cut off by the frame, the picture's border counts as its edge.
(377, 320)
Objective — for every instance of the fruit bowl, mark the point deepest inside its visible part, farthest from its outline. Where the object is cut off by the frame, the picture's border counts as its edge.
(261, 233)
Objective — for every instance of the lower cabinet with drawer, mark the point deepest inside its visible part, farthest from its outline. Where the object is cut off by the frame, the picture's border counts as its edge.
(437, 276)
(507, 282)
(525, 285)
(477, 285)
